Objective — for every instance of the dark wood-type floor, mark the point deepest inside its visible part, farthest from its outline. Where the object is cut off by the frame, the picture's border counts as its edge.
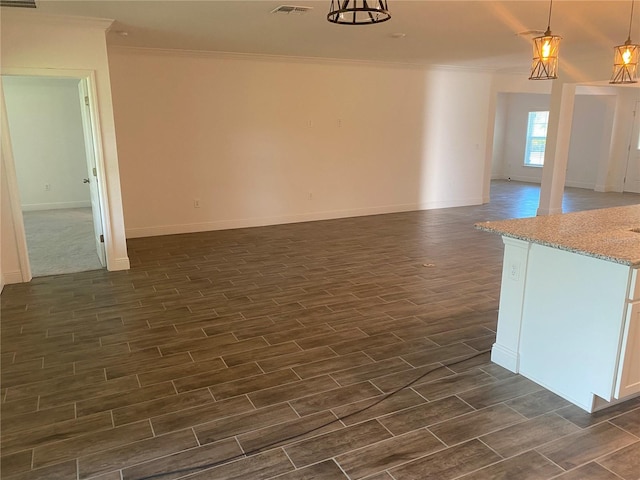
(273, 352)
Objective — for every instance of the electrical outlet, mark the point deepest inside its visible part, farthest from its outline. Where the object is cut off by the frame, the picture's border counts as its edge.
(514, 272)
(310, 195)
(47, 187)
(196, 203)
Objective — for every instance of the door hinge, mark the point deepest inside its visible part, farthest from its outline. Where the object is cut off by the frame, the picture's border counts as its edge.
(95, 172)
(101, 238)
(86, 101)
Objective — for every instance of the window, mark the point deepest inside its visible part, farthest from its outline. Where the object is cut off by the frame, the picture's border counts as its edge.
(536, 139)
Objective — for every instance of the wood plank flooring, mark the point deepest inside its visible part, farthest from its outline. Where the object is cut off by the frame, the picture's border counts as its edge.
(351, 348)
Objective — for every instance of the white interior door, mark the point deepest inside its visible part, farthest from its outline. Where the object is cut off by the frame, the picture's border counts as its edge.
(632, 175)
(92, 174)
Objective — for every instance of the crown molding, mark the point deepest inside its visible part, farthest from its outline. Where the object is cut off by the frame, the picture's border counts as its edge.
(34, 17)
(287, 58)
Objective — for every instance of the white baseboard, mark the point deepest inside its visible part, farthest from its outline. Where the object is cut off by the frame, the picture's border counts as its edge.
(119, 264)
(525, 179)
(584, 401)
(600, 403)
(505, 357)
(296, 218)
(54, 206)
(588, 186)
(568, 183)
(11, 277)
(548, 211)
(608, 188)
(256, 222)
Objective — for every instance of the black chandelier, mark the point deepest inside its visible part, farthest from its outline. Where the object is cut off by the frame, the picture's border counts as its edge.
(358, 12)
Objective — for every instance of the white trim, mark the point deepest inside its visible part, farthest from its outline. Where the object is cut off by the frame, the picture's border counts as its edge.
(296, 218)
(505, 357)
(522, 178)
(587, 186)
(46, 72)
(600, 403)
(584, 405)
(14, 196)
(288, 58)
(120, 264)
(595, 89)
(103, 194)
(62, 20)
(31, 207)
(11, 277)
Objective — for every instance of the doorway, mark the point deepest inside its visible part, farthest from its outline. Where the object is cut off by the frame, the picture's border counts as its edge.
(632, 174)
(51, 134)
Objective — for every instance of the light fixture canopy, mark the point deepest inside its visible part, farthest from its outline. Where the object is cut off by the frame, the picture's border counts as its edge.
(358, 12)
(625, 59)
(545, 54)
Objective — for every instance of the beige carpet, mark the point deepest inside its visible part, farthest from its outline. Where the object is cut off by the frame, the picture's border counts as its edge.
(60, 241)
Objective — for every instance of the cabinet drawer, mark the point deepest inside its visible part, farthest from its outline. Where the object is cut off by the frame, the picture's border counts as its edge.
(628, 378)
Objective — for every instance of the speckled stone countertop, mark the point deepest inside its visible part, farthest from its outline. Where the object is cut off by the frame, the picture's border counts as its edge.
(606, 233)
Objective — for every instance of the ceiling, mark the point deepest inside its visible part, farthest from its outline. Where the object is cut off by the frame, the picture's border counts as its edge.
(482, 34)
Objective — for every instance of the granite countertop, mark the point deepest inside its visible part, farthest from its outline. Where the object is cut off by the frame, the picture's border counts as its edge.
(605, 233)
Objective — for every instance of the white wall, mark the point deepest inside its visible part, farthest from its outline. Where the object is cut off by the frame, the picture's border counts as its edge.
(498, 140)
(48, 143)
(262, 141)
(590, 137)
(511, 152)
(611, 174)
(35, 44)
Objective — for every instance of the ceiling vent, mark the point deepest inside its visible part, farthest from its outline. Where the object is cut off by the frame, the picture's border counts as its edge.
(291, 10)
(18, 3)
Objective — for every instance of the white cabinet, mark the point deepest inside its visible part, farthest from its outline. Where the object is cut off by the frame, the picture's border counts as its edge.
(570, 322)
(628, 375)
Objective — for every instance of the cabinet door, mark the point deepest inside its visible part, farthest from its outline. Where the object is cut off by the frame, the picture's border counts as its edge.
(628, 381)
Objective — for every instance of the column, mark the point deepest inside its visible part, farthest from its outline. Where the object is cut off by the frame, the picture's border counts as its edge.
(556, 153)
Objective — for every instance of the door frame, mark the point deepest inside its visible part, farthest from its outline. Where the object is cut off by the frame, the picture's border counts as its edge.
(9, 170)
(632, 150)
(92, 170)
(9, 161)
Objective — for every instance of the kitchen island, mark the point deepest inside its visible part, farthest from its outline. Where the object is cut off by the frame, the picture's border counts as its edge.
(569, 316)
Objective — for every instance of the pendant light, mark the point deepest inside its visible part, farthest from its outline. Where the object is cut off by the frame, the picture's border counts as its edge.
(358, 12)
(625, 59)
(545, 54)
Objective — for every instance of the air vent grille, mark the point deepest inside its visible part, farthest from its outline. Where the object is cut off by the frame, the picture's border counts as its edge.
(18, 3)
(291, 10)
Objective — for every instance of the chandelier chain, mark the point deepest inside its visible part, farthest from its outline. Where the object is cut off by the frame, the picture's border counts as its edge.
(631, 20)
